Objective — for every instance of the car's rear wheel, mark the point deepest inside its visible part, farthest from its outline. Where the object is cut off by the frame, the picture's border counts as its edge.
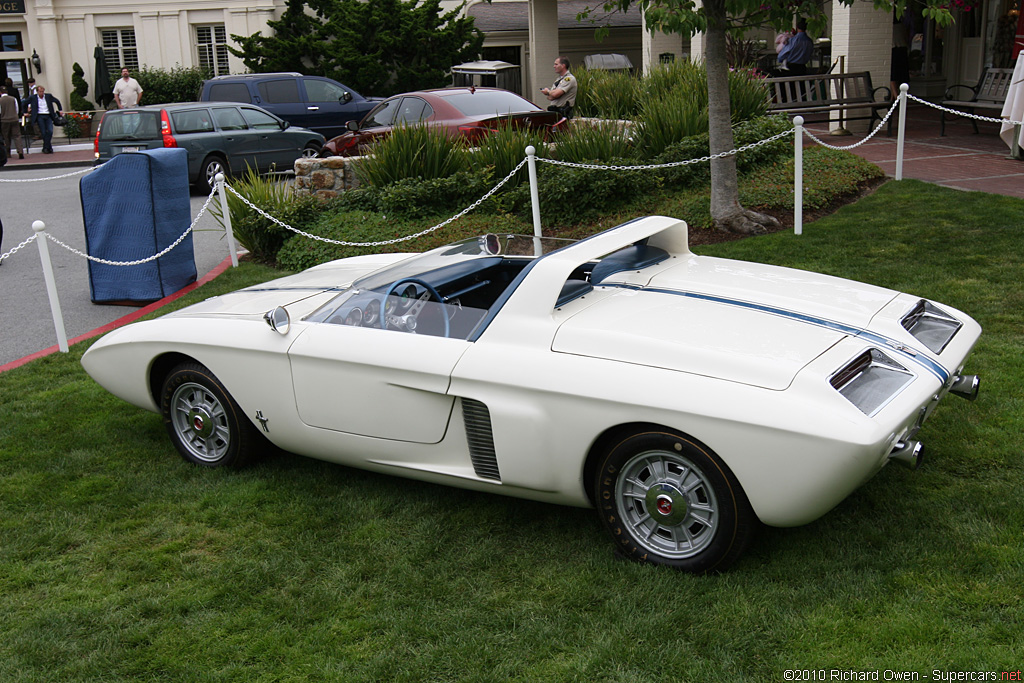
(212, 165)
(204, 422)
(667, 499)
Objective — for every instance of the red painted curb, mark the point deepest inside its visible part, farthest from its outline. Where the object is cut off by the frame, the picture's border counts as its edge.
(124, 320)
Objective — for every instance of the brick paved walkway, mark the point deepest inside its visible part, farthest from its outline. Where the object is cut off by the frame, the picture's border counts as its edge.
(961, 159)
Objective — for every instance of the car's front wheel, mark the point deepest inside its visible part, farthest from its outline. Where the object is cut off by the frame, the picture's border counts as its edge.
(311, 150)
(667, 499)
(204, 422)
(208, 173)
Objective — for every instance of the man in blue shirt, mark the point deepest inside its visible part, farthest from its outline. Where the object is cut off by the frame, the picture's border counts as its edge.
(797, 51)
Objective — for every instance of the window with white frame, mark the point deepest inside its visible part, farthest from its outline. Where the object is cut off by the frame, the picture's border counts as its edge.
(212, 46)
(120, 49)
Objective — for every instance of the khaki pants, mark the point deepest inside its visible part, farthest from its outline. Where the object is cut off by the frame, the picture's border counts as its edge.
(11, 133)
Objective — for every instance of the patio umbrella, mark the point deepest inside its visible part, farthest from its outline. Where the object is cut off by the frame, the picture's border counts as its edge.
(104, 88)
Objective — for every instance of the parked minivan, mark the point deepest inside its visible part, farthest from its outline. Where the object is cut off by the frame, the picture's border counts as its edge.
(220, 137)
(312, 102)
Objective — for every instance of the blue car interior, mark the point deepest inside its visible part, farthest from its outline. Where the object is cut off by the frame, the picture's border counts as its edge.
(478, 285)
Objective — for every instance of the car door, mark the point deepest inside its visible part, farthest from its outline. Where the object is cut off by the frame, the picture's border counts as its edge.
(278, 151)
(377, 123)
(413, 110)
(329, 106)
(239, 142)
(281, 97)
(377, 383)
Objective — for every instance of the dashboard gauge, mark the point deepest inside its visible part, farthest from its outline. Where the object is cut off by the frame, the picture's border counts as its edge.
(354, 317)
(372, 313)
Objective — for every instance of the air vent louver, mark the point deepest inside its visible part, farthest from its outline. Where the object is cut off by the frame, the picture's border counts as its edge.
(480, 439)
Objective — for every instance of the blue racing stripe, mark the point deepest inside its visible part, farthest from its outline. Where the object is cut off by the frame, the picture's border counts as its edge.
(914, 355)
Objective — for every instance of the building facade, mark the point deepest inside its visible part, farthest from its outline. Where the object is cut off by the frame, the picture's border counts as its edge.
(44, 38)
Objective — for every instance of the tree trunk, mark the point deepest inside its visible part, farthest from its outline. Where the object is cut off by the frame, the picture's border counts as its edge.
(726, 212)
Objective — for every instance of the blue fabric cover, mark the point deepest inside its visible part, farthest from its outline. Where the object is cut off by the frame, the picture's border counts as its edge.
(135, 206)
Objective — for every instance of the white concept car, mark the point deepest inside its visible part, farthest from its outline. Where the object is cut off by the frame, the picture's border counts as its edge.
(685, 397)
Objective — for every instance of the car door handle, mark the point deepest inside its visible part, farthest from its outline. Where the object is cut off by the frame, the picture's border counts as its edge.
(312, 108)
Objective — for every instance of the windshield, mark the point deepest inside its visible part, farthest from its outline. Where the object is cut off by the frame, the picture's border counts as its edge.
(444, 292)
(130, 125)
(489, 103)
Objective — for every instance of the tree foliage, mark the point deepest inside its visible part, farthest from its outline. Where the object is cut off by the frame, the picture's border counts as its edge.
(716, 19)
(377, 47)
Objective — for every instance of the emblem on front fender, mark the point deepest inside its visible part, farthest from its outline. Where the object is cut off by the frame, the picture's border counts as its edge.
(263, 420)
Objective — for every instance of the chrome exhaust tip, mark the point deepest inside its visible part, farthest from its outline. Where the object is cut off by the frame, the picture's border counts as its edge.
(965, 386)
(910, 454)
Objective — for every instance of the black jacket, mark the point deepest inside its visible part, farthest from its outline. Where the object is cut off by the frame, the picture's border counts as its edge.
(52, 103)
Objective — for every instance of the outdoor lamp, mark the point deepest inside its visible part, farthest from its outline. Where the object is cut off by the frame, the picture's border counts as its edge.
(36, 62)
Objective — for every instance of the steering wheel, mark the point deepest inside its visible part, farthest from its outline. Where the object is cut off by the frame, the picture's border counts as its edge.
(406, 318)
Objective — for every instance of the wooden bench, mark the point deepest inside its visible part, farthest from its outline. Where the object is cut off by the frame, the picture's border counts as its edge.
(826, 93)
(989, 95)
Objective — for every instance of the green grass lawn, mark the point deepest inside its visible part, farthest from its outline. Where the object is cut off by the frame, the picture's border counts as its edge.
(118, 561)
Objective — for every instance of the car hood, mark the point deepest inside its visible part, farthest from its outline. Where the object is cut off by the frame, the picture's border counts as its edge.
(300, 294)
(741, 322)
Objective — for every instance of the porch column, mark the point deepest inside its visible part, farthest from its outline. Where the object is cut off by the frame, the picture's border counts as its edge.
(543, 48)
(864, 36)
(656, 44)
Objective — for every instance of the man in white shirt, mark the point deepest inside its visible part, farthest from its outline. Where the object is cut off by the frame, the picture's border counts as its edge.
(127, 91)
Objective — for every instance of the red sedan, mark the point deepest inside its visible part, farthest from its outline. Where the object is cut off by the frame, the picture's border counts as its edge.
(467, 112)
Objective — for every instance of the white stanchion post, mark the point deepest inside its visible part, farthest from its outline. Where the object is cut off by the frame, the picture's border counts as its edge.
(219, 179)
(798, 177)
(51, 286)
(531, 156)
(902, 135)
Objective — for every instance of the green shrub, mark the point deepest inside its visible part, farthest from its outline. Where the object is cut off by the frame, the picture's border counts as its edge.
(261, 236)
(692, 147)
(670, 119)
(301, 252)
(616, 94)
(502, 150)
(586, 81)
(412, 152)
(81, 88)
(827, 173)
(664, 78)
(166, 86)
(744, 133)
(569, 196)
(762, 128)
(748, 95)
(583, 142)
(414, 198)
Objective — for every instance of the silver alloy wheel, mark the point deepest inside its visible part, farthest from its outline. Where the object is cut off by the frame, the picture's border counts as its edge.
(310, 152)
(667, 504)
(200, 422)
(212, 168)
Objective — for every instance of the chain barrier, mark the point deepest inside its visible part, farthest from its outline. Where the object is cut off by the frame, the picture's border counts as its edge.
(895, 105)
(672, 164)
(18, 248)
(154, 257)
(39, 180)
(963, 113)
(397, 240)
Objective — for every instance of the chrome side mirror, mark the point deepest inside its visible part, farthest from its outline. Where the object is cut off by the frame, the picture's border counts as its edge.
(279, 320)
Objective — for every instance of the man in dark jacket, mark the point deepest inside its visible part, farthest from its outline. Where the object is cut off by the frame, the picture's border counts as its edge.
(42, 108)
